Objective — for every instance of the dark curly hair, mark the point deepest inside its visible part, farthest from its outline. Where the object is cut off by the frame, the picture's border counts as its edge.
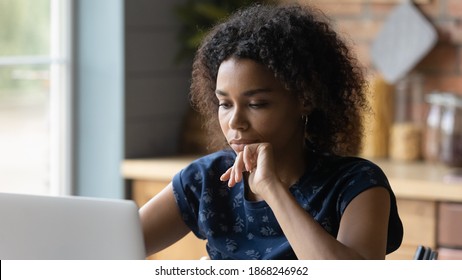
(303, 51)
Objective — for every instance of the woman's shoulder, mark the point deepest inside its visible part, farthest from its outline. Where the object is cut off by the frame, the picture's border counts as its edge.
(204, 170)
(335, 162)
(333, 168)
(219, 160)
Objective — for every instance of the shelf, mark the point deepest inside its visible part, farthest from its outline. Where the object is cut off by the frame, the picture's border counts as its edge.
(421, 180)
(415, 180)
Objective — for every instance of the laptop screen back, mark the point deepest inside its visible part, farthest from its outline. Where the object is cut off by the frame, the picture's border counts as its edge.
(57, 227)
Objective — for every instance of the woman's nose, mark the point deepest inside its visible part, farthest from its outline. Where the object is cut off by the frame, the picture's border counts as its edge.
(238, 119)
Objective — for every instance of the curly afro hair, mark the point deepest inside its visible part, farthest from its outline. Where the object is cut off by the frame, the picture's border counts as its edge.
(303, 51)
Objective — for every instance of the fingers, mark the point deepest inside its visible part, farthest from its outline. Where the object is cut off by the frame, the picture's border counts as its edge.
(226, 175)
(249, 158)
(237, 170)
(234, 174)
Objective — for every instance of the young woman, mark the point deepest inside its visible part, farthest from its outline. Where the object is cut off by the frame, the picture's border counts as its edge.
(286, 96)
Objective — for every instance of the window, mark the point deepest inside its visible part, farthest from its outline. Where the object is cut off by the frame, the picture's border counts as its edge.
(35, 109)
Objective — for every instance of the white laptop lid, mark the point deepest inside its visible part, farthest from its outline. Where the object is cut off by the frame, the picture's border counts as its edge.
(57, 227)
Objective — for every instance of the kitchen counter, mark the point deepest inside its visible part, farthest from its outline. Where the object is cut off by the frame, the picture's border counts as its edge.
(421, 180)
(417, 180)
(155, 168)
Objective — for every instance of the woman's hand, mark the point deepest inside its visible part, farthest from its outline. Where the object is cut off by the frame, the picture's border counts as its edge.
(256, 159)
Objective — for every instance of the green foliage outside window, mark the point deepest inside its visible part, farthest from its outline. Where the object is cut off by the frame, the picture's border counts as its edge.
(24, 27)
(24, 31)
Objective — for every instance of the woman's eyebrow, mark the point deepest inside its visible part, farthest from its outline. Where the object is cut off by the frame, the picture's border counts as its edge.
(248, 93)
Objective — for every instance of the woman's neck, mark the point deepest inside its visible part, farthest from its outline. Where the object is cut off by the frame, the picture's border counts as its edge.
(289, 172)
(290, 165)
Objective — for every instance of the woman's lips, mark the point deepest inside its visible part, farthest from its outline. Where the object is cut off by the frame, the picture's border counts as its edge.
(238, 145)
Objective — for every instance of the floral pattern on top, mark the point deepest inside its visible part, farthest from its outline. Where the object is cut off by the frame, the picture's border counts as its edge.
(236, 228)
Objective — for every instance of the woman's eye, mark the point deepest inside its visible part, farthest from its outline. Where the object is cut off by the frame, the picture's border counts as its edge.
(258, 105)
(224, 105)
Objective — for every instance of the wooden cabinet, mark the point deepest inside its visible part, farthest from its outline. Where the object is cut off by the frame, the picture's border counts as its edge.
(422, 191)
(449, 236)
(419, 222)
(450, 225)
(429, 204)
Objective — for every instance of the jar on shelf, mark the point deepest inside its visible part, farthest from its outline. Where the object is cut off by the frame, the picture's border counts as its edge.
(406, 131)
(432, 131)
(451, 132)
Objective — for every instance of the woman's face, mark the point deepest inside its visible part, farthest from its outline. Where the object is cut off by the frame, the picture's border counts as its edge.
(254, 107)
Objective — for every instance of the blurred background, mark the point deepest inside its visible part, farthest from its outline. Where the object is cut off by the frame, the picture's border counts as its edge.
(85, 84)
(89, 88)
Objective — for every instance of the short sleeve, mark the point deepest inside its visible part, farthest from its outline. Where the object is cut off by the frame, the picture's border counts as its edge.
(363, 176)
(187, 191)
(194, 189)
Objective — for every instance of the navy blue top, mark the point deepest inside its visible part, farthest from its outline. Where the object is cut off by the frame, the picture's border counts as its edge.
(236, 228)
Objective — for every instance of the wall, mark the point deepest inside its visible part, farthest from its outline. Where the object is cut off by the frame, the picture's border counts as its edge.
(361, 20)
(156, 92)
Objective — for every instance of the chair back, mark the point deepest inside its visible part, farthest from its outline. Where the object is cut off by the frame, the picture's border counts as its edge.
(425, 253)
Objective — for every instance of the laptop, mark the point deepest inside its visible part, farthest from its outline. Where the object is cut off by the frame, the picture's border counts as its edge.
(41, 227)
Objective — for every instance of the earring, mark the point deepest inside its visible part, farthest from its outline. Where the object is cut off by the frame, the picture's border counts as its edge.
(305, 120)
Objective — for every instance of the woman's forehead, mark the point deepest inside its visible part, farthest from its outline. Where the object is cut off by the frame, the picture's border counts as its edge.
(246, 69)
